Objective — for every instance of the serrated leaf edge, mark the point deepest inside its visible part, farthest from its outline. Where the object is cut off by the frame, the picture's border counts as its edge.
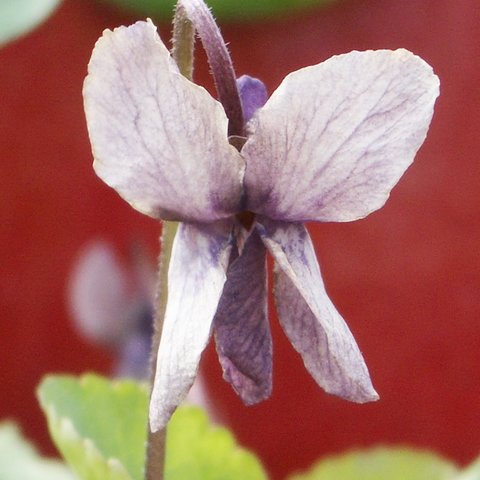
(64, 427)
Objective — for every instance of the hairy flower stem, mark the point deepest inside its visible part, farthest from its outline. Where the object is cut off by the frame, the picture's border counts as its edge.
(156, 440)
(217, 53)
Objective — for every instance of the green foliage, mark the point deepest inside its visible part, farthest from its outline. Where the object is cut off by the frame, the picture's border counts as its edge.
(233, 10)
(472, 472)
(198, 451)
(20, 16)
(20, 461)
(381, 464)
(99, 426)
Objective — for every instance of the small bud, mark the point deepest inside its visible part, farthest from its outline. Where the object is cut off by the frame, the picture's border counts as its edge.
(253, 95)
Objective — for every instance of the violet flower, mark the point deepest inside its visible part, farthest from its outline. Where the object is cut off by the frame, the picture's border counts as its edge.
(328, 145)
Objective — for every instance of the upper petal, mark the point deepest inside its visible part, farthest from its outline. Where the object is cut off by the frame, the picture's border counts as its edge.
(157, 138)
(309, 318)
(242, 331)
(333, 139)
(196, 276)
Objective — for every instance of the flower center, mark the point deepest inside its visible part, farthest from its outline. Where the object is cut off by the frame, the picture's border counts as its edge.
(246, 218)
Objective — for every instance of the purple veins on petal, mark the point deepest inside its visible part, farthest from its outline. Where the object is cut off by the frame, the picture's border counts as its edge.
(253, 95)
(157, 138)
(196, 276)
(334, 139)
(242, 331)
(309, 318)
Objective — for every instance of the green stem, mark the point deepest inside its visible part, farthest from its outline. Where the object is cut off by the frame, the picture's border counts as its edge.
(156, 440)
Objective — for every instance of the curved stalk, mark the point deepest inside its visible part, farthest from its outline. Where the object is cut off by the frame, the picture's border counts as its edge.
(218, 58)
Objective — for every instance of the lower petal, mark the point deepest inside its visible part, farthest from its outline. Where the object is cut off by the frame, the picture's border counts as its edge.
(242, 332)
(196, 277)
(309, 318)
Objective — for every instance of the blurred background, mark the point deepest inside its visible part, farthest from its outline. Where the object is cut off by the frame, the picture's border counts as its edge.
(407, 278)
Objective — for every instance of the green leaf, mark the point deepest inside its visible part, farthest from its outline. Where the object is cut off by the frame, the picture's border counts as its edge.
(20, 16)
(99, 426)
(382, 464)
(223, 9)
(472, 472)
(197, 450)
(20, 461)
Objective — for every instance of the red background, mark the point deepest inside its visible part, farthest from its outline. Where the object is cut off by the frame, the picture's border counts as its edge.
(407, 278)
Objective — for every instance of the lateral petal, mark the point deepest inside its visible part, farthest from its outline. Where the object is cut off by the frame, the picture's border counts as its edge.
(334, 138)
(242, 331)
(157, 138)
(196, 277)
(309, 318)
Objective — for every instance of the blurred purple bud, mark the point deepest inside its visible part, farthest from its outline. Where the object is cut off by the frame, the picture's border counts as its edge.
(99, 296)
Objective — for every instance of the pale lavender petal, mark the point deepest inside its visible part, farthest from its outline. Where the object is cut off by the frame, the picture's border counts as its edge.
(253, 95)
(309, 318)
(196, 277)
(333, 139)
(242, 331)
(157, 138)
